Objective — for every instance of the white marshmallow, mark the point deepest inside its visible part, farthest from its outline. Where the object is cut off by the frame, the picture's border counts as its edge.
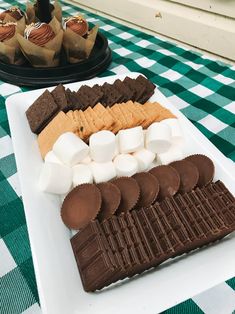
(173, 154)
(131, 140)
(144, 158)
(116, 152)
(82, 174)
(70, 149)
(102, 172)
(126, 165)
(51, 157)
(86, 161)
(158, 138)
(55, 178)
(176, 131)
(102, 146)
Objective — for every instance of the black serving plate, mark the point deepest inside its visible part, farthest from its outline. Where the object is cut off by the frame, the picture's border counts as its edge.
(26, 75)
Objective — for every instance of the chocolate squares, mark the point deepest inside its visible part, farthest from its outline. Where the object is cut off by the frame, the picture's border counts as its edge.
(41, 112)
(126, 245)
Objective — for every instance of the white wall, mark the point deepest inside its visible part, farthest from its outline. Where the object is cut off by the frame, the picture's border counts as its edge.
(206, 24)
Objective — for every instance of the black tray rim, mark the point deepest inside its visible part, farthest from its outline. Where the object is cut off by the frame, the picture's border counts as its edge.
(73, 72)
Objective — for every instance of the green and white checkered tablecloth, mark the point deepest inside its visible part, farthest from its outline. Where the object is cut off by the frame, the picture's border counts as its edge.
(203, 89)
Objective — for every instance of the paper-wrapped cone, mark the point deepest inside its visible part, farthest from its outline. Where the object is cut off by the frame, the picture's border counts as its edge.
(49, 54)
(78, 48)
(31, 15)
(10, 51)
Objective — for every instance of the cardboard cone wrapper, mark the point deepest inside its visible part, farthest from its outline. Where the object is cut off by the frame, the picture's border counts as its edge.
(31, 16)
(49, 54)
(78, 48)
(10, 51)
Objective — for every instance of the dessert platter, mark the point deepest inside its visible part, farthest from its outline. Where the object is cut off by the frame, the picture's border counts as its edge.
(40, 48)
(123, 197)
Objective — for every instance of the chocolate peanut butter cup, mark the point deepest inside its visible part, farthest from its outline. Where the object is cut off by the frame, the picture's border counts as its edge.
(205, 168)
(188, 173)
(130, 193)
(111, 197)
(169, 180)
(149, 188)
(81, 206)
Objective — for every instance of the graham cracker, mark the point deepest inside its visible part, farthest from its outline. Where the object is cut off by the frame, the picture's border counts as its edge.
(59, 125)
(118, 124)
(98, 123)
(105, 116)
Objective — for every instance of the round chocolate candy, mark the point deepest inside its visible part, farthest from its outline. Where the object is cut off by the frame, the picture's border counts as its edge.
(205, 168)
(14, 12)
(149, 188)
(169, 180)
(130, 193)
(81, 206)
(7, 31)
(111, 197)
(39, 33)
(78, 25)
(188, 173)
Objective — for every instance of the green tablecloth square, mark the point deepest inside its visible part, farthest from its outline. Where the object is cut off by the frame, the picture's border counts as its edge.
(225, 116)
(227, 90)
(226, 135)
(12, 216)
(17, 296)
(27, 270)
(7, 193)
(187, 307)
(8, 165)
(14, 240)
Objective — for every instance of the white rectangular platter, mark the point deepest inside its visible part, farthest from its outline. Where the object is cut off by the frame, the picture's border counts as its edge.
(58, 280)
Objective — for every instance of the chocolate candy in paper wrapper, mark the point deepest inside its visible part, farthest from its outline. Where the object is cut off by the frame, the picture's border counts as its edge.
(32, 14)
(9, 47)
(15, 15)
(78, 47)
(47, 55)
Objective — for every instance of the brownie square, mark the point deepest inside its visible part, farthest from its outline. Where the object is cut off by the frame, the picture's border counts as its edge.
(136, 87)
(60, 98)
(111, 95)
(124, 90)
(41, 112)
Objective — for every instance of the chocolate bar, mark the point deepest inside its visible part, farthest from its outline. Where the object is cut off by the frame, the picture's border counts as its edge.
(129, 244)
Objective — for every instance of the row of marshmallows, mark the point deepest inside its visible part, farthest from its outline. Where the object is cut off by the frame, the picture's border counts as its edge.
(72, 162)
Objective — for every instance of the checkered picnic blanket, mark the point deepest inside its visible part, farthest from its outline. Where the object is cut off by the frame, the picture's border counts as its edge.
(202, 88)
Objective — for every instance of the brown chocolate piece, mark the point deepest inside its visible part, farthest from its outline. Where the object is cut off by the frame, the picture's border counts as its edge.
(111, 95)
(7, 31)
(77, 24)
(72, 99)
(60, 99)
(87, 97)
(149, 88)
(111, 197)
(169, 180)
(130, 193)
(205, 168)
(136, 88)
(14, 12)
(124, 90)
(39, 33)
(135, 241)
(81, 206)
(149, 188)
(41, 112)
(188, 173)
